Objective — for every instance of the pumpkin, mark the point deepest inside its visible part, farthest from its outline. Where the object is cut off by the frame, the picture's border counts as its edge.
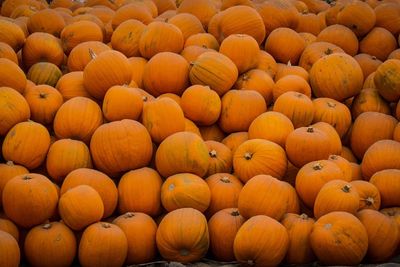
(234, 140)
(125, 37)
(50, 244)
(77, 32)
(379, 42)
(313, 176)
(344, 165)
(333, 112)
(257, 80)
(188, 23)
(19, 193)
(289, 69)
(140, 195)
(278, 14)
(267, 63)
(259, 156)
(182, 236)
(215, 70)
(77, 118)
(192, 52)
(11, 75)
(154, 39)
(265, 195)
(26, 144)
(367, 63)
(44, 73)
(164, 5)
(46, 20)
(79, 57)
(99, 181)
(226, 23)
(396, 133)
(174, 97)
(132, 10)
(44, 101)
(11, 34)
(10, 255)
(387, 16)
(348, 77)
(315, 51)
(309, 23)
(387, 181)
(6, 51)
(212, 133)
(383, 237)
(395, 54)
(103, 244)
(339, 238)
(97, 77)
(380, 156)
(204, 10)
(14, 109)
(271, 236)
(370, 197)
(6, 225)
(140, 230)
(284, 44)
(220, 157)
(369, 81)
(202, 39)
(368, 99)
(8, 171)
(137, 65)
(341, 36)
(156, 78)
(387, 81)
(114, 151)
(223, 227)
(42, 47)
(392, 213)
(291, 83)
(299, 228)
(104, 13)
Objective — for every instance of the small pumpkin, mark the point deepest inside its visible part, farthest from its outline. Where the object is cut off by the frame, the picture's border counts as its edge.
(205, 40)
(11, 34)
(44, 73)
(341, 36)
(234, 140)
(8, 171)
(315, 51)
(6, 225)
(220, 158)
(188, 23)
(257, 80)
(291, 83)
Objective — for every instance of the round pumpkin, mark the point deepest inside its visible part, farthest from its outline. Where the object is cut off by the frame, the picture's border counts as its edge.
(387, 80)
(234, 140)
(368, 99)
(10, 255)
(79, 32)
(11, 75)
(44, 73)
(6, 225)
(79, 56)
(71, 85)
(205, 40)
(125, 37)
(379, 43)
(11, 34)
(387, 181)
(341, 36)
(188, 23)
(6, 51)
(8, 171)
(291, 83)
(315, 51)
(257, 80)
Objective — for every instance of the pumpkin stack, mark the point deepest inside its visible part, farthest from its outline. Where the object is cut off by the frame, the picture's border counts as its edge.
(261, 132)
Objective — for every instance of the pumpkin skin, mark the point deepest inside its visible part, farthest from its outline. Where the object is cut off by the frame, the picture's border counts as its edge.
(315, 51)
(344, 165)
(341, 36)
(205, 40)
(368, 99)
(6, 225)
(122, 102)
(277, 13)
(312, 177)
(103, 244)
(188, 24)
(44, 73)
(368, 63)
(44, 101)
(370, 197)
(28, 135)
(6, 51)
(387, 81)
(259, 156)
(98, 181)
(114, 151)
(215, 70)
(157, 80)
(234, 140)
(239, 108)
(257, 80)
(78, 118)
(291, 83)
(387, 181)
(18, 194)
(192, 52)
(137, 65)
(79, 57)
(379, 42)
(14, 109)
(220, 157)
(50, 244)
(8, 171)
(182, 236)
(42, 47)
(223, 227)
(140, 230)
(387, 16)
(269, 251)
(10, 255)
(299, 228)
(46, 20)
(327, 239)
(201, 104)
(169, 160)
(185, 190)
(11, 34)
(160, 37)
(383, 237)
(257, 194)
(267, 63)
(132, 10)
(382, 155)
(125, 37)
(11, 75)
(80, 32)
(204, 10)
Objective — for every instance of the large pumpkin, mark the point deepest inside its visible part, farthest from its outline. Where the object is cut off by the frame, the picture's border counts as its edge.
(120, 146)
(182, 236)
(71, 85)
(46, 20)
(125, 37)
(315, 51)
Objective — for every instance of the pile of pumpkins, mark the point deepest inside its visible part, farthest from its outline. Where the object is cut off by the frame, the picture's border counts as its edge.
(261, 132)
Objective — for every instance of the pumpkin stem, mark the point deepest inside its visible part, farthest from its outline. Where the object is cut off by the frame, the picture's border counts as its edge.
(10, 163)
(346, 188)
(225, 180)
(144, 98)
(184, 252)
(317, 166)
(245, 77)
(304, 216)
(289, 64)
(26, 177)
(328, 51)
(310, 129)
(204, 46)
(42, 95)
(213, 153)
(129, 215)
(374, 57)
(370, 201)
(92, 54)
(250, 262)
(235, 213)
(46, 226)
(331, 104)
(171, 187)
(248, 156)
(105, 225)
(333, 157)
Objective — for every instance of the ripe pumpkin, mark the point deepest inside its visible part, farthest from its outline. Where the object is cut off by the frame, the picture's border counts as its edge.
(188, 23)
(10, 255)
(315, 51)
(8, 171)
(367, 63)
(79, 57)
(19, 193)
(6, 225)
(289, 69)
(140, 191)
(125, 37)
(205, 40)
(341, 36)
(182, 236)
(14, 109)
(204, 10)
(344, 165)
(50, 244)
(140, 230)
(259, 156)
(369, 99)
(114, 151)
(234, 140)
(220, 157)
(370, 197)
(98, 181)
(137, 65)
(267, 63)
(79, 32)
(11, 75)
(26, 144)
(44, 73)
(11, 34)
(223, 227)
(261, 228)
(278, 14)
(257, 80)
(77, 118)
(393, 213)
(291, 83)
(339, 238)
(379, 42)
(6, 51)
(387, 181)
(387, 81)
(103, 244)
(134, 10)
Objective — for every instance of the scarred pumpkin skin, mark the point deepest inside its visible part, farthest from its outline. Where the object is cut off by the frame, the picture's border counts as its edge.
(182, 236)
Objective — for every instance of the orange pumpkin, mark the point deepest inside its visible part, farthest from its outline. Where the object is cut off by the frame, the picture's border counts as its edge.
(79, 32)
(11, 34)
(188, 23)
(387, 16)
(137, 65)
(315, 51)
(289, 69)
(341, 36)
(367, 63)
(6, 51)
(387, 181)
(379, 42)
(205, 40)
(344, 165)
(7, 172)
(12, 76)
(14, 109)
(10, 255)
(368, 99)
(386, 79)
(6, 225)
(234, 140)
(267, 63)
(134, 10)
(125, 37)
(278, 14)
(370, 197)
(44, 73)
(257, 80)
(46, 20)
(220, 158)
(291, 83)
(79, 57)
